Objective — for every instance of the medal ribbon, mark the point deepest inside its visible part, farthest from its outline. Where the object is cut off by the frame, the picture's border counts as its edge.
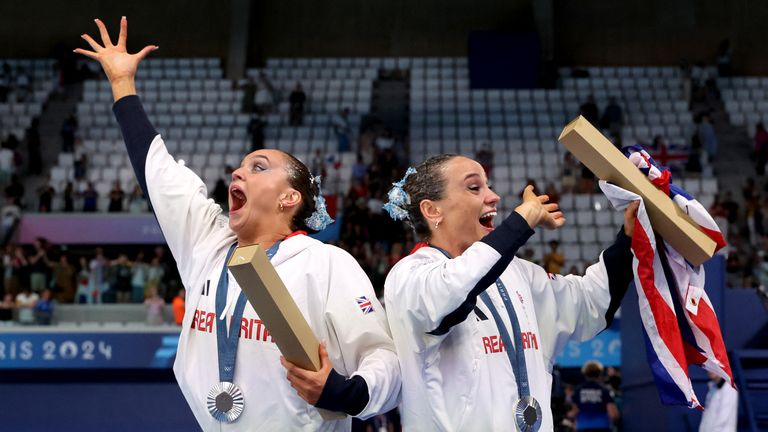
(226, 342)
(517, 358)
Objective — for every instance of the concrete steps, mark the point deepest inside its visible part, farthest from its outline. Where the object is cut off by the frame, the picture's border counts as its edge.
(57, 109)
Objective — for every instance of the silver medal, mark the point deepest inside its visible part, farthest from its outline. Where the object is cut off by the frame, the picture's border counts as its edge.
(528, 414)
(225, 402)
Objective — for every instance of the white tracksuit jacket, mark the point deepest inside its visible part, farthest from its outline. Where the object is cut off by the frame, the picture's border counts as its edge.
(456, 376)
(323, 280)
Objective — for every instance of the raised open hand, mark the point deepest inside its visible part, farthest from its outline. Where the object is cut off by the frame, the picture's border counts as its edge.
(537, 210)
(119, 66)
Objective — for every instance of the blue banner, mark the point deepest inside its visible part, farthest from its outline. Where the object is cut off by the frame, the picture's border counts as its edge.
(64, 350)
(605, 348)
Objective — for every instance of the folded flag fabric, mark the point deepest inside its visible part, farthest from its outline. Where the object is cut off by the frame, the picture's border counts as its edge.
(679, 323)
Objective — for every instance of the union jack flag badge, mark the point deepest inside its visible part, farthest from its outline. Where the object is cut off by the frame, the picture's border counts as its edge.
(364, 304)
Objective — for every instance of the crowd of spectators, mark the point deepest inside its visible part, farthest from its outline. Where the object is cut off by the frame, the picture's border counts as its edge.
(37, 278)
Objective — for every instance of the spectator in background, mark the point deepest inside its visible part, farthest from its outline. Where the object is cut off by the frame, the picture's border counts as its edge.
(90, 198)
(551, 191)
(83, 294)
(359, 169)
(761, 270)
(139, 271)
(574, 270)
(14, 265)
(594, 406)
(297, 99)
(45, 194)
(761, 148)
(98, 267)
(44, 308)
(590, 111)
(722, 407)
(6, 308)
(136, 201)
(553, 261)
(68, 132)
(155, 274)
(570, 170)
(64, 279)
(693, 164)
(342, 130)
(724, 58)
(587, 184)
(15, 191)
(10, 214)
(178, 306)
(80, 166)
(38, 265)
(613, 119)
(122, 273)
(116, 197)
(484, 157)
(708, 137)
(69, 197)
(263, 100)
(6, 165)
(384, 141)
(256, 131)
(25, 304)
(35, 158)
(317, 166)
(155, 305)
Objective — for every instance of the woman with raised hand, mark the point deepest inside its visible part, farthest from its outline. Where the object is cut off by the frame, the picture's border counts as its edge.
(239, 383)
(476, 329)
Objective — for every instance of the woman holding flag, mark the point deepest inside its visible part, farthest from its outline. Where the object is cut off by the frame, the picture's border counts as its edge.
(476, 329)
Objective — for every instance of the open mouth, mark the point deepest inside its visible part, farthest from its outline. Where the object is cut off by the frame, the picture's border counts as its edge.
(486, 219)
(237, 197)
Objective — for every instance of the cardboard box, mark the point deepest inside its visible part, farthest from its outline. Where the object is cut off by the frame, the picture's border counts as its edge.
(600, 155)
(277, 310)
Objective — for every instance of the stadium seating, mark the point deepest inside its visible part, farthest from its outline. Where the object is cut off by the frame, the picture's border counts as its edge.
(199, 115)
(16, 115)
(746, 100)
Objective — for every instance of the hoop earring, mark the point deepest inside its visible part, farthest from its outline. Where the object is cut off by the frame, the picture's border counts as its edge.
(437, 224)
(281, 206)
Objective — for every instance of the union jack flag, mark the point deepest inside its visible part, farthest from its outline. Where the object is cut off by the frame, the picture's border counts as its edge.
(364, 304)
(668, 286)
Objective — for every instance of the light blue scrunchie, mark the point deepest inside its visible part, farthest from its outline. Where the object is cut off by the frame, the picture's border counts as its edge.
(398, 198)
(320, 217)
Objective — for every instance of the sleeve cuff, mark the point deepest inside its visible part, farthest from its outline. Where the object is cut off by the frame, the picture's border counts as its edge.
(508, 237)
(344, 395)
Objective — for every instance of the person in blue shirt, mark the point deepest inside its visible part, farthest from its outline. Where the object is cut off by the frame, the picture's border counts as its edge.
(593, 403)
(44, 308)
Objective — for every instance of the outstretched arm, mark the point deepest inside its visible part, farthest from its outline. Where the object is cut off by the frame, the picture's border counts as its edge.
(178, 196)
(119, 66)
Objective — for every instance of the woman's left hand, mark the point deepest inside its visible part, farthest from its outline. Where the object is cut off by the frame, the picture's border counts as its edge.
(308, 384)
(630, 216)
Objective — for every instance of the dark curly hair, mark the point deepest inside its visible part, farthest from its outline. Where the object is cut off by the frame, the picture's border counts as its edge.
(300, 179)
(427, 183)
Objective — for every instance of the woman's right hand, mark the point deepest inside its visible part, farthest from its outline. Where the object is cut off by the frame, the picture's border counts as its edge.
(537, 210)
(119, 66)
